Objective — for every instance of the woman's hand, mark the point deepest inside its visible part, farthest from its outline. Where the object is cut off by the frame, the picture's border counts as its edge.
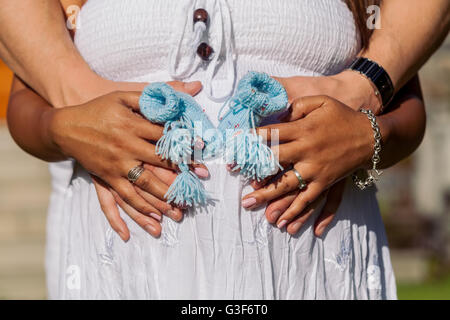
(348, 87)
(107, 196)
(108, 137)
(325, 141)
(332, 197)
(109, 199)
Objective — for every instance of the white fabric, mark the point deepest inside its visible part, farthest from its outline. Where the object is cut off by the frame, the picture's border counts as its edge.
(224, 251)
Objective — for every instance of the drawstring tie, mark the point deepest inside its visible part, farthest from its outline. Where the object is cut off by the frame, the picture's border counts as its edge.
(220, 25)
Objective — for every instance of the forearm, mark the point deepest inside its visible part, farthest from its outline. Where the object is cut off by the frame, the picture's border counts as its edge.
(28, 122)
(411, 30)
(403, 126)
(36, 45)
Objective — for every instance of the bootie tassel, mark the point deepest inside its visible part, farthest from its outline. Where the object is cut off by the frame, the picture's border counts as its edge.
(186, 190)
(257, 97)
(161, 104)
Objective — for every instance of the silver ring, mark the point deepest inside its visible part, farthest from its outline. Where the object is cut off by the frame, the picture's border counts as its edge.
(302, 184)
(135, 173)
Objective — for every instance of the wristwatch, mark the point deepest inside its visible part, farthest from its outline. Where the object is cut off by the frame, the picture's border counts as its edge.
(377, 75)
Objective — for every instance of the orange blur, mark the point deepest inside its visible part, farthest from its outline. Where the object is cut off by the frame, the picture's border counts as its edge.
(5, 86)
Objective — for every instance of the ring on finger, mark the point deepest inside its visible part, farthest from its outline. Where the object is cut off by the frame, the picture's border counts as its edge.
(302, 184)
(135, 173)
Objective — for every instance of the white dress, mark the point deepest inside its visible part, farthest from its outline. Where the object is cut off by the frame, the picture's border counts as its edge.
(225, 251)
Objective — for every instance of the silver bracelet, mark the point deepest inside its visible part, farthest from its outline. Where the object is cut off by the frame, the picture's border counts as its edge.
(374, 173)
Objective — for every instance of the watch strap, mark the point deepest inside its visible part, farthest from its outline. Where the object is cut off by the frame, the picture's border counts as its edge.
(377, 75)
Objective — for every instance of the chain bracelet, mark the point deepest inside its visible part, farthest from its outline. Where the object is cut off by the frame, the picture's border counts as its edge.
(374, 173)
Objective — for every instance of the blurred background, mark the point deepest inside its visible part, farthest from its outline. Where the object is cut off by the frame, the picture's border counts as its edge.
(414, 197)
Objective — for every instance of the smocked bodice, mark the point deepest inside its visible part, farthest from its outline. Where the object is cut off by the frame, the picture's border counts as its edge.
(129, 40)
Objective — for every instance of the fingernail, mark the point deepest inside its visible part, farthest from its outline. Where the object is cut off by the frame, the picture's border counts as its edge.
(247, 203)
(173, 214)
(201, 172)
(150, 229)
(281, 224)
(199, 144)
(156, 216)
(122, 236)
(230, 167)
(297, 225)
(275, 214)
(320, 229)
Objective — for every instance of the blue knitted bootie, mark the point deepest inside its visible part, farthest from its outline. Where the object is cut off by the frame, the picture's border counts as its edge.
(257, 96)
(182, 118)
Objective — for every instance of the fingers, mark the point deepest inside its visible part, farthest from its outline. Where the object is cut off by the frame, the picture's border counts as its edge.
(128, 98)
(149, 224)
(191, 88)
(289, 152)
(131, 98)
(281, 80)
(294, 227)
(166, 176)
(154, 183)
(330, 208)
(146, 152)
(200, 170)
(304, 199)
(128, 195)
(147, 130)
(152, 186)
(288, 130)
(109, 208)
(156, 180)
(167, 209)
(150, 183)
(259, 184)
(286, 183)
(278, 206)
(301, 107)
(280, 131)
(130, 86)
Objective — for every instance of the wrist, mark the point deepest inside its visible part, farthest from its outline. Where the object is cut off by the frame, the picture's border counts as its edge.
(366, 136)
(73, 83)
(49, 128)
(361, 90)
(385, 131)
(388, 59)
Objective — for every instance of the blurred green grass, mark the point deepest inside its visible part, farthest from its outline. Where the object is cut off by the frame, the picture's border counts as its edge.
(432, 290)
